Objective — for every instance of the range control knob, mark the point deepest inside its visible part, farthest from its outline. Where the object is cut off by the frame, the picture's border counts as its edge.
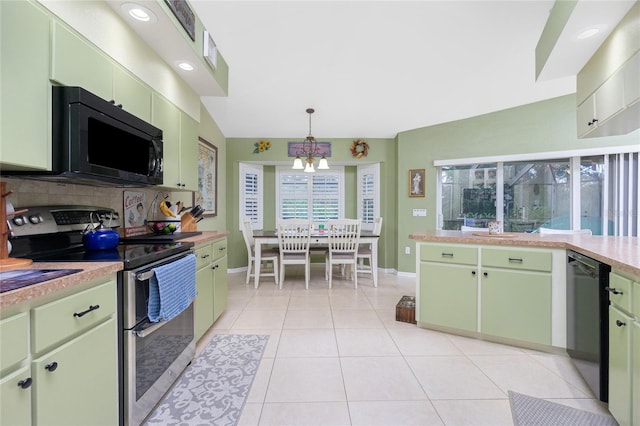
(35, 219)
(19, 220)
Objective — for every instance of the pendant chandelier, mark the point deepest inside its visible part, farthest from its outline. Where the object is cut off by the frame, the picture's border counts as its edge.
(309, 151)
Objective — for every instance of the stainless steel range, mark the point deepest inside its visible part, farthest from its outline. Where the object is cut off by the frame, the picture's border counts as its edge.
(151, 354)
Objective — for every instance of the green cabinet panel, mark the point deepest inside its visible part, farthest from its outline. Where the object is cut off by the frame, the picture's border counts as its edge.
(219, 249)
(83, 388)
(134, 95)
(203, 305)
(203, 256)
(516, 305)
(15, 402)
(220, 287)
(620, 366)
(622, 294)
(166, 116)
(448, 295)
(449, 254)
(76, 62)
(15, 337)
(188, 153)
(635, 368)
(515, 258)
(57, 320)
(25, 91)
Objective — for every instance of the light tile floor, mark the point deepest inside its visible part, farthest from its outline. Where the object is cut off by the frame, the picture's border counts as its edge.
(339, 357)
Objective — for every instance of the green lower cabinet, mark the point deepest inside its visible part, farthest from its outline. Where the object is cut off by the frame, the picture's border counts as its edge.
(620, 366)
(220, 287)
(448, 295)
(77, 383)
(635, 368)
(516, 305)
(15, 398)
(203, 304)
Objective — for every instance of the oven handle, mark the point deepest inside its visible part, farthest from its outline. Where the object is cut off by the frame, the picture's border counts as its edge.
(143, 276)
(150, 330)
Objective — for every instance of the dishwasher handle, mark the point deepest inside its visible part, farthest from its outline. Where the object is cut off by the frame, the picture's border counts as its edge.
(582, 264)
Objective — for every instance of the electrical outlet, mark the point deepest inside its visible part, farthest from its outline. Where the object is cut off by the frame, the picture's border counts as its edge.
(407, 250)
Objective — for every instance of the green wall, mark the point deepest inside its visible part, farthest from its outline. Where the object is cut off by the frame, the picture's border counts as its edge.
(544, 126)
(380, 151)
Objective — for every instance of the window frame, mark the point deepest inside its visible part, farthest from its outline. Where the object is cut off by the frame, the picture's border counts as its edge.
(257, 220)
(362, 171)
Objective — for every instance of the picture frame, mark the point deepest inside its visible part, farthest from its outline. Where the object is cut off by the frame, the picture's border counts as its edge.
(207, 193)
(416, 182)
(324, 148)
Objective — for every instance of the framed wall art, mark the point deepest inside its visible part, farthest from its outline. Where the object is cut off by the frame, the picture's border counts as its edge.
(295, 148)
(416, 183)
(207, 194)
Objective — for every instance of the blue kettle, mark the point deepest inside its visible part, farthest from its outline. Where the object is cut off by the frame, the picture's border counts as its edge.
(100, 237)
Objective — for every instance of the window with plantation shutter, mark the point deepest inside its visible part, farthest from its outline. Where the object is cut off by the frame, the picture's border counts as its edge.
(368, 194)
(317, 196)
(251, 200)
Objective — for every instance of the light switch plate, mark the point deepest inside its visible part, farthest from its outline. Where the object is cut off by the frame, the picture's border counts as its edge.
(420, 212)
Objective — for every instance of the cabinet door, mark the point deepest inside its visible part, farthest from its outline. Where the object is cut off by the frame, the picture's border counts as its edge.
(220, 289)
(631, 81)
(619, 366)
(83, 389)
(15, 401)
(25, 91)
(134, 96)
(76, 62)
(609, 98)
(516, 305)
(203, 304)
(448, 295)
(635, 368)
(188, 153)
(584, 116)
(166, 116)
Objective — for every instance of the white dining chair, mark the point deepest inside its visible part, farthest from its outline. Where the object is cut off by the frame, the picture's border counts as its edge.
(365, 252)
(294, 237)
(548, 231)
(266, 255)
(343, 239)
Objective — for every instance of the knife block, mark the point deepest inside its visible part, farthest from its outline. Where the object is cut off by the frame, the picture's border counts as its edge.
(188, 223)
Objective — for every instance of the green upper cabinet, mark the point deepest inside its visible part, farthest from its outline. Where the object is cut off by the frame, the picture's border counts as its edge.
(134, 95)
(166, 116)
(75, 62)
(25, 91)
(188, 153)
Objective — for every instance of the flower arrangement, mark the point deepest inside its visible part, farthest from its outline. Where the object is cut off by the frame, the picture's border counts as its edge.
(261, 146)
(359, 148)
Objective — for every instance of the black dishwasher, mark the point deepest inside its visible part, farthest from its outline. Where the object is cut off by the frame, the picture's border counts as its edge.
(587, 320)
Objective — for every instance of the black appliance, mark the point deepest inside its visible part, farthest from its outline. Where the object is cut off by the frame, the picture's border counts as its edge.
(587, 320)
(151, 355)
(97, 142)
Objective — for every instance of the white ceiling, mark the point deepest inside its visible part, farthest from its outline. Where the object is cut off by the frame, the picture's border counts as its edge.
(376, 68)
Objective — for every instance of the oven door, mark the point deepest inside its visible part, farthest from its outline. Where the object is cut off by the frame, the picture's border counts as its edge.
(155, 355)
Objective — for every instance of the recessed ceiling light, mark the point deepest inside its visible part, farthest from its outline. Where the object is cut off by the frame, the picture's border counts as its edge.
(590, 31)
(139, 13)
(187, 66)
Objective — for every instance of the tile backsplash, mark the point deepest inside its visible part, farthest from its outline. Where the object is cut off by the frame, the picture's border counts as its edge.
(27, 192)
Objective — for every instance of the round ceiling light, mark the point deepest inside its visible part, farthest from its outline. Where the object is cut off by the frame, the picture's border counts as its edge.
(590, 32)
(139, 13)
(186, 65)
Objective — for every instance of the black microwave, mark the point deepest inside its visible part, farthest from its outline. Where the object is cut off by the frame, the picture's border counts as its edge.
(96, 139)
(96, 142)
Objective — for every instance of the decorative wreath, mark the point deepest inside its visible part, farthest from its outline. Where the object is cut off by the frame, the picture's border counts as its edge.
(359, 148)
(261, 146)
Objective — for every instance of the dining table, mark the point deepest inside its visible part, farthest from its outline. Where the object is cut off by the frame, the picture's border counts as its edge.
(269, 237)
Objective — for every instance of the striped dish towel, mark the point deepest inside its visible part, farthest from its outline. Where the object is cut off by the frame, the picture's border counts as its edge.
(172, 288)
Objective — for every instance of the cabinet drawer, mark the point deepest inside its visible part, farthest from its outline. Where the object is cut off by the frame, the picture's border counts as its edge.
(449, 254)
(14, 329)
(622, 286)
(204, 256)
(517, 259)
(63, 318)
(220, 249)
